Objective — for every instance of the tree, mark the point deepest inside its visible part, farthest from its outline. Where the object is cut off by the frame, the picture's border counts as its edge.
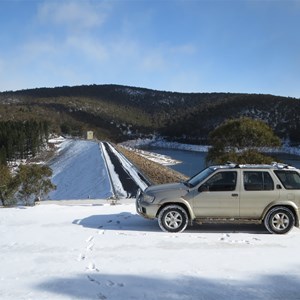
(8, 186)
(239, 140)
(35, 182)
(20, 140)
(2, 156)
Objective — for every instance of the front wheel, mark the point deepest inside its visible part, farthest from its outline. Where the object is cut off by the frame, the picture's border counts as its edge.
(173, 218)
(279, 220)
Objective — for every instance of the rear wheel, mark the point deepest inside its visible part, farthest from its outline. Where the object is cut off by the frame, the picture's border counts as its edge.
(173, 218)
(279, 220)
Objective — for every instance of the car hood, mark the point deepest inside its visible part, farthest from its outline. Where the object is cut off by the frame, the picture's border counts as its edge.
(174, 189)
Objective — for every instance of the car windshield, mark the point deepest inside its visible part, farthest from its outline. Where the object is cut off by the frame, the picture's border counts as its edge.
(196, 179)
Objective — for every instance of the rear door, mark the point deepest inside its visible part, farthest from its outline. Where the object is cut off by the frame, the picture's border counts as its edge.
(218, 197)
(257, 191)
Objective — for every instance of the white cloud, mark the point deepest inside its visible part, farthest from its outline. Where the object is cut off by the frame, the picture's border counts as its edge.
(154, 62)
(79, 14)
(34, 49)
(165, 57)
(89, 47)
(184, 49)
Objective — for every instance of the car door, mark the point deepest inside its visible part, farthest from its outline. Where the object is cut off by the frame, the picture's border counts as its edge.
(257, 191)
(218, 196)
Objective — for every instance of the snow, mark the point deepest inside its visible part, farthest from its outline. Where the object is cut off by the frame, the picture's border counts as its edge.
(83, 170)
(162, 143)
(118, 187)
(58, 252)
(79, 171)
(130, 168)
(56, 140)
(88, 249)
(164, 160)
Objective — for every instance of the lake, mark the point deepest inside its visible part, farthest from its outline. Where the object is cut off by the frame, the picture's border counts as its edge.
(193, 162)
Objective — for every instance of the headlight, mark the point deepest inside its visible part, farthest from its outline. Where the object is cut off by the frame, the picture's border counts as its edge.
(148, 198)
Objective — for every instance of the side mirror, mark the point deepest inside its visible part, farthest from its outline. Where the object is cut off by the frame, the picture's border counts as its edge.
(278, 187)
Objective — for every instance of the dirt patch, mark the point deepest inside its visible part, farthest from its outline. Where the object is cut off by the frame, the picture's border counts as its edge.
(154, 172)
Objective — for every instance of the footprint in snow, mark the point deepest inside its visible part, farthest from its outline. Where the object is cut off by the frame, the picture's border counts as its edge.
(81, 257)
(224, 237)
(124, 216)
(92, 267)
(110, 283)
(113, 284)
(90, 239)
(90, 278)
(240, 242)
(90, 247)
(101, 296)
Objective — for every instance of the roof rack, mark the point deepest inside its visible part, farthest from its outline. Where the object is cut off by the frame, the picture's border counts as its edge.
(281, 165)
(232, 164)
(265, 166)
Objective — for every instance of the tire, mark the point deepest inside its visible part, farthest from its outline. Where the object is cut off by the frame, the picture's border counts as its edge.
(173, 218)
(279, 220)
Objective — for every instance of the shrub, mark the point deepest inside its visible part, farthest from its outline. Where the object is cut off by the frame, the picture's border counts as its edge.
(8, 186)
(237, 140)
(34, 182)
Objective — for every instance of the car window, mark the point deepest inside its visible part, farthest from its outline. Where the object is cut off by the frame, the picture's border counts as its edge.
(195, 180)
(258, 181)
(222, 181)
(289, 179)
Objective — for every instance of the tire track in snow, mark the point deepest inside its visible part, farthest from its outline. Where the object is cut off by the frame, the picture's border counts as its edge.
(128, 184)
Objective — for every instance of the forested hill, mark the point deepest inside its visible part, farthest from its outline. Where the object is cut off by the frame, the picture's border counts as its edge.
(120, 112)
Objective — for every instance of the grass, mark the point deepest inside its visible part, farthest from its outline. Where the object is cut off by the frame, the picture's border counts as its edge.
(156, 173)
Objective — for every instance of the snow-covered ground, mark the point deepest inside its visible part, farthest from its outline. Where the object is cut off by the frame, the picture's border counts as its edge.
(88, 249)
(79, 171)
(162, 143)
(58, 252)
(158, 158)
(84, 170)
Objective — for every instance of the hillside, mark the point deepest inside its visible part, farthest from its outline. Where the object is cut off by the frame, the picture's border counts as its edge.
(118, 113)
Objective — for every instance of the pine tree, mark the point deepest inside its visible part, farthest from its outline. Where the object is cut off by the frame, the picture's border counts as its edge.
(22, 139)
(2, 155)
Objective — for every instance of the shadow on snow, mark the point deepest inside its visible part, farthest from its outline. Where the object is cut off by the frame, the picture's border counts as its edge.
(132, 222)
(110, 286)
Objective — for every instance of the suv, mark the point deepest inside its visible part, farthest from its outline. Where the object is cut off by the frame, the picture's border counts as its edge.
(231, 193)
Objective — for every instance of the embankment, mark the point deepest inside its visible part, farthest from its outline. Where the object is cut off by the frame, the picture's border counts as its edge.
(155, 173)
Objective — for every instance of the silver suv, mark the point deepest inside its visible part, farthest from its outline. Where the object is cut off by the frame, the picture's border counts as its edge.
(231, 193)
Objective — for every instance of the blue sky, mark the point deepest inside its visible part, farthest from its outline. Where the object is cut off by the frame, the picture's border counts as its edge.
(176, 45)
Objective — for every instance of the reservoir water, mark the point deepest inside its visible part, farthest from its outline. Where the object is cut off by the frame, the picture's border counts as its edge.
(192, 162)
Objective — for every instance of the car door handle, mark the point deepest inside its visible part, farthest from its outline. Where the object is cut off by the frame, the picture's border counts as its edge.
(234, 195)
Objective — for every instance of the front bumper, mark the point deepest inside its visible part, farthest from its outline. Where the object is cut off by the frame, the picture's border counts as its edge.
(144, 208)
